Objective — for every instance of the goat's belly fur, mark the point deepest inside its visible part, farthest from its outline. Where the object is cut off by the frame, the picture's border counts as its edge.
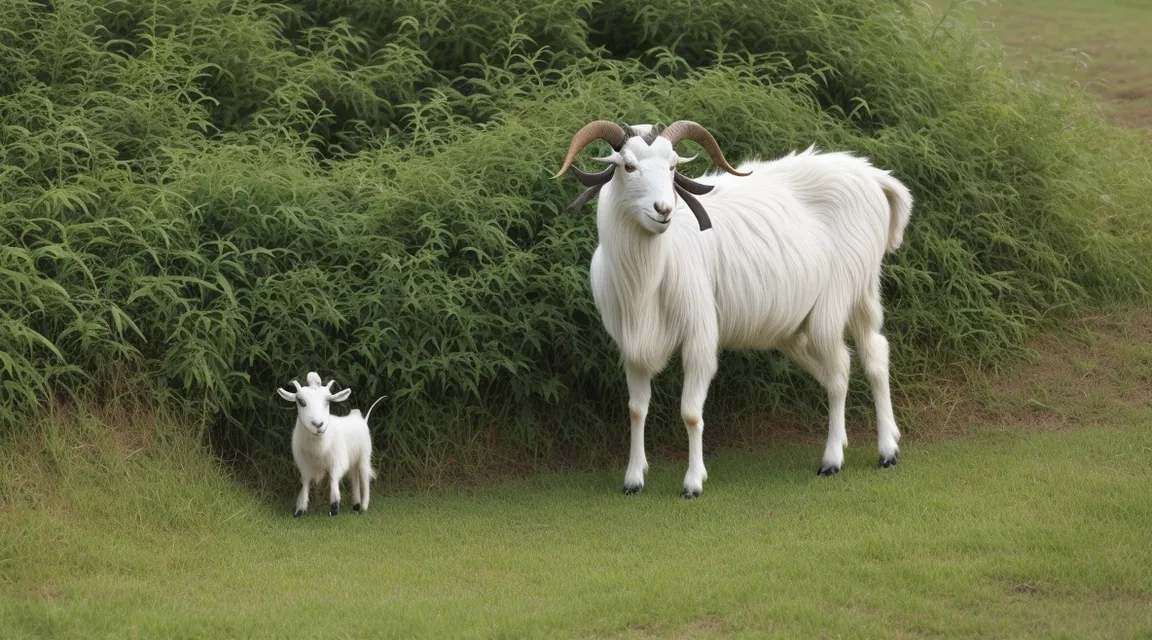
(768, 334)
(758, 311)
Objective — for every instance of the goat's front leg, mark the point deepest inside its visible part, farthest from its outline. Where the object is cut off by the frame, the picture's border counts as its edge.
(699, 368)
(639, 394)
(302, 498)
(334, 490)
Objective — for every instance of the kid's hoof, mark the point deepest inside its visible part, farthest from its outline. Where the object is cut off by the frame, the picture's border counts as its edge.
(356, 507)
(688, 494)
(889, 462)
(827, 470)
(632, 489)
(299, 512)
(334, 509)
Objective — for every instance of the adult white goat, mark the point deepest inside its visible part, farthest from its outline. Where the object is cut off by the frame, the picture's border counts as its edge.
(326, 444)
(793, 258)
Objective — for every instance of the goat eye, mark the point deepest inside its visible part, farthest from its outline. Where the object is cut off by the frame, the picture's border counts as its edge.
(300, 402)
(629, 168)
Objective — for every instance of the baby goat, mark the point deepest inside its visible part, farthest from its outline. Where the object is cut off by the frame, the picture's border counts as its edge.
(326, 444)
(792, 259)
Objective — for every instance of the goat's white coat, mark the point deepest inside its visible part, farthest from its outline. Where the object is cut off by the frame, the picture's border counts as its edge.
(324, 444)
(793, 258)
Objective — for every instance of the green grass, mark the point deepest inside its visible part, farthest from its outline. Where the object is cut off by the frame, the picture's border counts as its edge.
(1020, 510)
(1020, 507)
(1101, 47)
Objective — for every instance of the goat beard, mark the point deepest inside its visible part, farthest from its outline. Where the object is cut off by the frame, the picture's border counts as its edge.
(686, 188)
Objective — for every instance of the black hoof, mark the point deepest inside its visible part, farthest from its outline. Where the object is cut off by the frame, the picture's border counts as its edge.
(299, 512)
(334, 509)
(827, 470)
(889, 462)
(356, 507)
(632, 489)
(688, 494)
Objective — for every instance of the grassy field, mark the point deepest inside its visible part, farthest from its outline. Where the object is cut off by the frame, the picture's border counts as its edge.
(1020, 508)
(1102, 47)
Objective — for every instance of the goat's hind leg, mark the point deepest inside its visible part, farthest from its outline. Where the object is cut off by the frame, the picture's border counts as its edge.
(365, 472)
(873, 349)
(335, 475)
(816, 365)
(828, 360)
(354, 488)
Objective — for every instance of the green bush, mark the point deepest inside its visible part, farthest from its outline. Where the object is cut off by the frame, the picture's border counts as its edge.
(211, 198)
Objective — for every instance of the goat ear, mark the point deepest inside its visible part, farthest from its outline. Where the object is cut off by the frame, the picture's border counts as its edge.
(287, 395)
(341, 396)
(613, 158)
(694, 204)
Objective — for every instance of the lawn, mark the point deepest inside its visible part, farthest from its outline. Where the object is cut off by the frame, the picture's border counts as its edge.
(1020, 508)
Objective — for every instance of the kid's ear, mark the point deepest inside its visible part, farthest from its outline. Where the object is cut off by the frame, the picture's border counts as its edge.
(342, 396)
(287, 395)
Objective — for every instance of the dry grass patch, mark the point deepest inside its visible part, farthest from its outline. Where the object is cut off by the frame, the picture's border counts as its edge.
(1101, 47)
(1096, 371)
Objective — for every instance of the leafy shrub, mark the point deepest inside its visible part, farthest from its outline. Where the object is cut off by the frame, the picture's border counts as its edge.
(213, 198)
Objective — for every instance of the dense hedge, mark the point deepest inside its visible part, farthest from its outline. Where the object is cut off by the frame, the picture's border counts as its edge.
(209, 198)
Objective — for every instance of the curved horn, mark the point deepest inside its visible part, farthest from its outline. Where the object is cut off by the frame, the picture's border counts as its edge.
(605, 130)
(296, 384)
(688, 130)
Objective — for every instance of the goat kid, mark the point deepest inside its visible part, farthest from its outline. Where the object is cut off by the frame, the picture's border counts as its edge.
(793, 258)
(324, 444)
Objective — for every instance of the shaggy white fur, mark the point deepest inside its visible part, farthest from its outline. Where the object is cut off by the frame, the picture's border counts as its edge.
(792, 259)
(324, 444)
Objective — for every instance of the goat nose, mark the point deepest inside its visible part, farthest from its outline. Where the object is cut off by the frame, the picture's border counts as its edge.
(663, 208)
(317, 423)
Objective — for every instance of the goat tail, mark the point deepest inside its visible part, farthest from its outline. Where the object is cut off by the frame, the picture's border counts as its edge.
(368, 463)
(369, 414)
(899, 209)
